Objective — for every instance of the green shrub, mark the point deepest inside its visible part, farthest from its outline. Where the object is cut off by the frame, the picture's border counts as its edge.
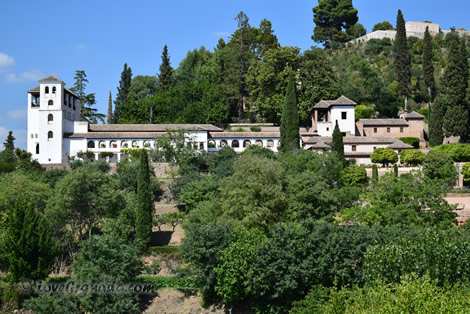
(457, 151)
(438, 165)
(384, 156)
(106, 154)
(255, 128)
(413, 141)
(466, 172)
(259, 151)
(10, 298)
(414, 294)
(442, 254)
(412, 157)
(355, 176)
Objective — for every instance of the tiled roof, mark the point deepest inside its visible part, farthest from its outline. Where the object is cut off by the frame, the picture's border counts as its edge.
(383, 122)
(34, 90)
(323, 104)
(71, 92)
(343, 101)
(413, 115)
(115, 135)
(244, 134)
(50, 78)
(37, 89)
(369, 140)
(400, 145)
(318, 145)
(151, 127)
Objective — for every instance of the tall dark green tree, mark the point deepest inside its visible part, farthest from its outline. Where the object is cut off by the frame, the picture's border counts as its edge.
(428, 67)
(86, 100)
(290, 138)
(337, 144)
(241, 57)
(109, 118)
(123, 91)
(144, 214)
(436, 132)
(8, 155)
(375, 174)
(332, 18)
(456, 116)
(28, 246)
(165, 77)
(268, 39)
(402, 58)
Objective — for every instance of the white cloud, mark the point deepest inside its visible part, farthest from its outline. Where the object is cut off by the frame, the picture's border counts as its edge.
(32, 75)
(220, 34)
(80, 46)
(5, 61)
(17, 114)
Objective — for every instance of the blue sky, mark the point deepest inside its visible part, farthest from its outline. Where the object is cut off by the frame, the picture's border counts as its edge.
(40, 38)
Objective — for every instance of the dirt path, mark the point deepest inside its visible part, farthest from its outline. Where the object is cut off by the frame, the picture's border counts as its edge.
(175, 302)
(463, 206)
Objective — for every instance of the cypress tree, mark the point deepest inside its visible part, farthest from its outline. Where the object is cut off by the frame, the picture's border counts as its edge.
(144, 215)
(109, 119)
(402, 58)
(428, 67)
(375, 174)
(123, 90)
(29, 249)
(290, 137)
(337, 144)
(395, 170)
(9, 153)
(456, 116)
(165, 78)
(436, 134)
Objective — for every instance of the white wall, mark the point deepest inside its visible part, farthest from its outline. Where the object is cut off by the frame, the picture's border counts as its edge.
(325, 128)
(347, 125)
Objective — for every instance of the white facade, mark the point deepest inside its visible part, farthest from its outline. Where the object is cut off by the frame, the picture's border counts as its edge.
(327, 112)
(56, 130)
(51, 112)
(415, 29)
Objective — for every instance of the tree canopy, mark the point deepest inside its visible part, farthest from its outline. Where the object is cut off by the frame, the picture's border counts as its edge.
(332, 18)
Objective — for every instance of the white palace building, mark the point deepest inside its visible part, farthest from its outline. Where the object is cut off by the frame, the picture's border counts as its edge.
(57, 131)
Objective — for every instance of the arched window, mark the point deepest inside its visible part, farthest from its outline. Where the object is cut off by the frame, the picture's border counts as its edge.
(259, 143)
(102, 144)
(235, 143)
(113, 144)
(211, 144)
(50, 118)
(135, 144)
(50, 102)
(223, 143)
(270, 143)
(54, 89)
(91, 144)
(50, 135)
(47, 90)
(246, 143)
(37, 148)
(147, 144)
(124, 144)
